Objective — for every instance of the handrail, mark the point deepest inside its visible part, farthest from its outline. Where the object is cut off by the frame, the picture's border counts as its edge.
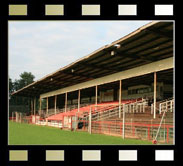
(161, 103)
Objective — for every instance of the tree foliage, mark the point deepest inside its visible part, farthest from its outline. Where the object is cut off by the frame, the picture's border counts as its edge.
(21, 102)
(26, 78)
(11, 86)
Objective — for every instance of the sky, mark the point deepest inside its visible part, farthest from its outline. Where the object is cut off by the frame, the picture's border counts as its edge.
(42, 47)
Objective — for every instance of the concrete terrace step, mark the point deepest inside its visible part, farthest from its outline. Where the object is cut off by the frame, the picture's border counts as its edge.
(137, 119)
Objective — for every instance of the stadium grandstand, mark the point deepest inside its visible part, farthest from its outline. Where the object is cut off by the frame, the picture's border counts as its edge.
(123, 89)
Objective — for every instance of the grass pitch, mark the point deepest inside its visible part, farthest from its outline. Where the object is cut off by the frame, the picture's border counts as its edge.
(28, 134)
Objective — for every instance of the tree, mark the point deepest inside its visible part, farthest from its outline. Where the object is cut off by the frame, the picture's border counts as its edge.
(26, 78)
(10, 86)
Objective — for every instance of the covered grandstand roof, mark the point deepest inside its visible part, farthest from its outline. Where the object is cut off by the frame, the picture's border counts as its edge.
(149, 43)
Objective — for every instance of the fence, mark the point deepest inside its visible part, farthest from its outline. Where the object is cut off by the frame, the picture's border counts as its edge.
(144, 130)
(166, 105)
(114, 119)
(20, 117)
(105, 120)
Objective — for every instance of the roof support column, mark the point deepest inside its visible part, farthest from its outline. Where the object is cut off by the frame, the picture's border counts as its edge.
(79, 93)
(155, 81)
(40, 104)
(124, 110)
(96, 96)
(65, 101)
(55, 104)
(47, 106)
(120, 88)
(34, 106)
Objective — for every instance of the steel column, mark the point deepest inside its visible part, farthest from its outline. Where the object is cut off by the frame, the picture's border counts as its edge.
(65, 101)
(40, 104)
(34, 106)
(47, 106)
(79, 99)
(155, 80)
(120, 84)
(55, 104)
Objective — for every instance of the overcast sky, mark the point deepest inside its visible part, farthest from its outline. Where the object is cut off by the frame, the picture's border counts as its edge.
(42, 47)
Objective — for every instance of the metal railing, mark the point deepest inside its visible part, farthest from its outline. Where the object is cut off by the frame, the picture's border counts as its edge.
(105, 112)
(136, 107)
(101, 112)
(165, 105)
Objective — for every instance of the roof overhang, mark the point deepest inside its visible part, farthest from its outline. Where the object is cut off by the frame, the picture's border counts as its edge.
(150, 43)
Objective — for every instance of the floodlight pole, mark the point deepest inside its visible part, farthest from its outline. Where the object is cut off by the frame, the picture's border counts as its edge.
(155, 81)
(55, 104)
(120, 84)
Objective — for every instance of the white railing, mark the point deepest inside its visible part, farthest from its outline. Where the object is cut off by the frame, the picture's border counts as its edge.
(52, 110)
(51, 123)
(113, 110)
(110, 112)
(44, 114)
(136, 107)
(166, 106)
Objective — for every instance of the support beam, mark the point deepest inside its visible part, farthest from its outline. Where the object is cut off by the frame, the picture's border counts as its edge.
(55, 104)
(79, 74)
(124, 109)
(96, 94)
(131, 56)
(16, 116)
(65, 101)
(90, 123)
(47, 106)
(79, 93)
(168, 35)
(40, 104)
(34, 106)
(94, 66)
(155, 80)
(12, 117)
(96, 97)
(120, 85)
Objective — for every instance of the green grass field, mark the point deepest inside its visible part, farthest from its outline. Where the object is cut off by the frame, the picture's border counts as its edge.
(28, 134)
